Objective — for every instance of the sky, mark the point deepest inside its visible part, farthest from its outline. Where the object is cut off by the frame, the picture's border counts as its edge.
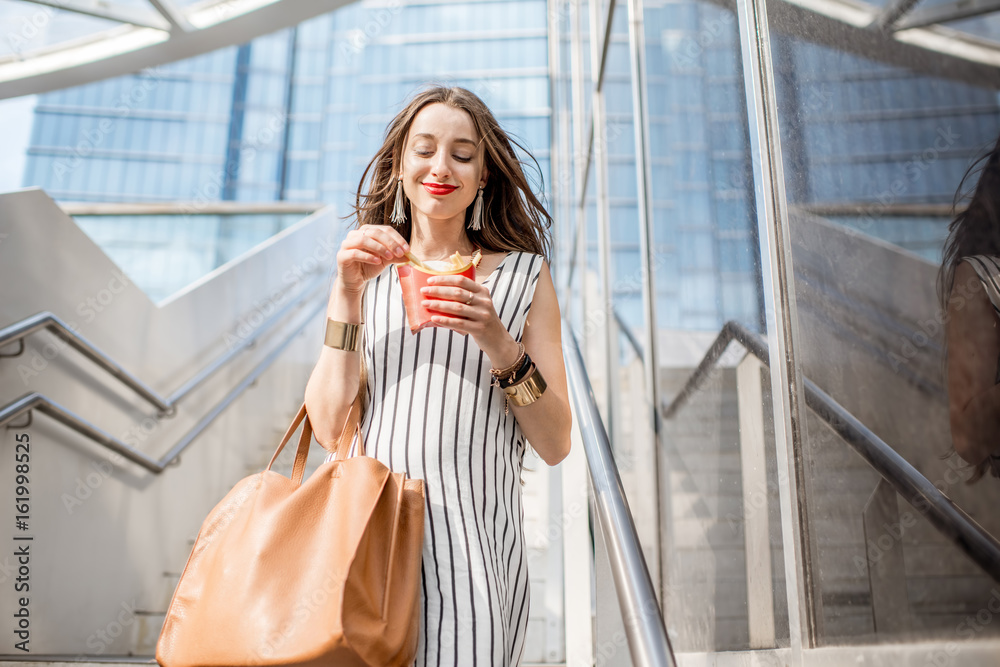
(15, 123)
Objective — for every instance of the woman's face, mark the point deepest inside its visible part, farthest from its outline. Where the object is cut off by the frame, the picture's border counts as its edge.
(442, 163)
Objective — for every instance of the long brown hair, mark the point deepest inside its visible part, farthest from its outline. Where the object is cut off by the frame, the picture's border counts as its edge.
(513, 216)
(974, 231)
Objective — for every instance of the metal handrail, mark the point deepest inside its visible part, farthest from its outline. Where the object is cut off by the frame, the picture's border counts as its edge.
(644, 627)
(16, 333)
(730, 331)
(949, 519)
(40, 402)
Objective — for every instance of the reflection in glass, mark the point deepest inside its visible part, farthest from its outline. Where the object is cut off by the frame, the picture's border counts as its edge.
(873, 153)
(970, 291)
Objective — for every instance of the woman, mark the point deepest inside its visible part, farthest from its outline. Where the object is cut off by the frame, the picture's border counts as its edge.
(433, 409)
(970, 283)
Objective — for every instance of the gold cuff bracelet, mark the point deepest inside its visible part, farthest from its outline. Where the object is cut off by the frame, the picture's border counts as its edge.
(341, 335)
(528, 390)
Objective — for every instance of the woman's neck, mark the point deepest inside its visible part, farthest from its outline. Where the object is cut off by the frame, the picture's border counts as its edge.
(439, 239)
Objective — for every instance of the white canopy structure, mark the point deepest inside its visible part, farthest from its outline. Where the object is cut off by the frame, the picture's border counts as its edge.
(48, 45)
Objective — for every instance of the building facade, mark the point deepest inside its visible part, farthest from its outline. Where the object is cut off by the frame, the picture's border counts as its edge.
(296, 115)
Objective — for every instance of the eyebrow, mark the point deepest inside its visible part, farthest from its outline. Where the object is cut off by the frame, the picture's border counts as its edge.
(460, 140)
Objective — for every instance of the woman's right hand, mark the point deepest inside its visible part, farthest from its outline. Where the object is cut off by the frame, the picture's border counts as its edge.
(366, 252)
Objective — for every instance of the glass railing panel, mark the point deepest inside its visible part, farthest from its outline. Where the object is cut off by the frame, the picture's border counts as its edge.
(708, 519)
(720, 536)
(722, 544)
(874, 150)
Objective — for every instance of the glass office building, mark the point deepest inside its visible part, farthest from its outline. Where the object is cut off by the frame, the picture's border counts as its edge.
(296, 115)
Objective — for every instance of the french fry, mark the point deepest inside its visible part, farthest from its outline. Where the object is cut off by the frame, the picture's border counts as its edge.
(456, 261)
(416, 262)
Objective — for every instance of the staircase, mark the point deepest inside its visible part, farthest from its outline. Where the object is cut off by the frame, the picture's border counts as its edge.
(109, 536)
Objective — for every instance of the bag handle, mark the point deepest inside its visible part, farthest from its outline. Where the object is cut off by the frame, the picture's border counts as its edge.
(351, 427)
(305, 439)
(302, 451)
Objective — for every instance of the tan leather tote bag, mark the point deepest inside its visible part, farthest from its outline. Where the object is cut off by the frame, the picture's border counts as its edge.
(325, 572)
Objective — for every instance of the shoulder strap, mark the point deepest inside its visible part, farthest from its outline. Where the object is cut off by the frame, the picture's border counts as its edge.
(524, 271)
(988, 270)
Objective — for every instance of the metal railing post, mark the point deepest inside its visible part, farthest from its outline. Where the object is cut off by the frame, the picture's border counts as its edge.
(776, 265)
(647, 243)
(600, 153)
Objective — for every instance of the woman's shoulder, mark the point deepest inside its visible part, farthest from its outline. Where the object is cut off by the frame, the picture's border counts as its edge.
(976, 278)
(981, 259)
(525, 260)
(532, 258)
(527, 263)
(505, 253)
(984, 266)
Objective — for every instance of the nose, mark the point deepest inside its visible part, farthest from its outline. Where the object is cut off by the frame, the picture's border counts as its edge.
(439, 166)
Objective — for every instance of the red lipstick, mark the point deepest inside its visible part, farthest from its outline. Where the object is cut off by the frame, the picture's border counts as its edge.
(439, 188)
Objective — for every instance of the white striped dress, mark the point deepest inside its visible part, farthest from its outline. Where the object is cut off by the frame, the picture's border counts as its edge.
(988, 270)
(433, 414)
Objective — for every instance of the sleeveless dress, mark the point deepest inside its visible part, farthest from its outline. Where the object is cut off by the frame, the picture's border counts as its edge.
(433, 414)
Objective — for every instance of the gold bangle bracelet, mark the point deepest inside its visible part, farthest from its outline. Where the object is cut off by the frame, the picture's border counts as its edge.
(528, 390)
(341, 335)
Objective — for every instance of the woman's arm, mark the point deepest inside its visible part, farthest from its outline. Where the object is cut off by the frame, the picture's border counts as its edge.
(546, 422)
(973, 350)
(334, 382)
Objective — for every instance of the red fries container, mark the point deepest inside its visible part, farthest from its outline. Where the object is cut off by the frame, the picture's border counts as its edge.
(411, 279)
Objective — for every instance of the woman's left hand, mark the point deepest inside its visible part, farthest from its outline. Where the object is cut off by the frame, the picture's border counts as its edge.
(470, 310)
(467, 305)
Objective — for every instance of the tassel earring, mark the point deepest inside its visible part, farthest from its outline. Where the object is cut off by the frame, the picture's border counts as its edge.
(477, 212)
(398, 213)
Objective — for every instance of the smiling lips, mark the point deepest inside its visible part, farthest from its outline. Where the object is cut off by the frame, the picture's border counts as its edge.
(439, 188)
